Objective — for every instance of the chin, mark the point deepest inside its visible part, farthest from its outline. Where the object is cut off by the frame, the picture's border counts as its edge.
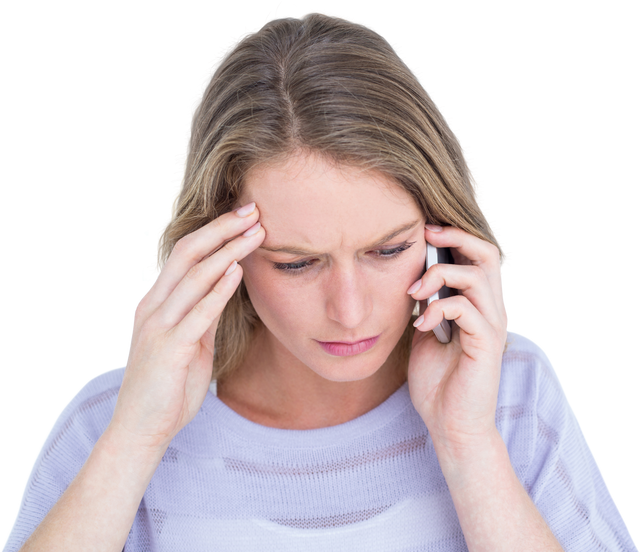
(346, 369)
(341, 376)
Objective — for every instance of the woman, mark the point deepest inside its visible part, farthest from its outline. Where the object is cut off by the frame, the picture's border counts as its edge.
(280, 391)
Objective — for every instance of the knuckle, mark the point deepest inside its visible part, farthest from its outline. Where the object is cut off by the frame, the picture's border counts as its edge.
(218, 225)
(148, 331)
(492, 251)
(202, 306)
(217, 296)
(477, 273)
(194, 272)
(230, 246)
(233, 249)
(143, 298)
(184, 246)
(437, 271)
(208, 302)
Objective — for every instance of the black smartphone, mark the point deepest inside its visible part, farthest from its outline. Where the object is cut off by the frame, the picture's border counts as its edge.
(437, 255)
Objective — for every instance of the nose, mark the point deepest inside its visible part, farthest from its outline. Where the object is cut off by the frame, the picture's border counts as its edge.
(348, 301)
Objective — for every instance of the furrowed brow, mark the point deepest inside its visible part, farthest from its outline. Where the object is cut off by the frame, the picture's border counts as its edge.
(296, 250)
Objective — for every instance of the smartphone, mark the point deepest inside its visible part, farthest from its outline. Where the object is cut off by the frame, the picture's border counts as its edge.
(437, 255)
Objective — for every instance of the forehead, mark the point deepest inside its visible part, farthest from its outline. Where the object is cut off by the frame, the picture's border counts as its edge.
(310, 180)
(311, 201)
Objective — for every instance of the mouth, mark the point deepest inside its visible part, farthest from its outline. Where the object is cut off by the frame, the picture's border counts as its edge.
(349, 342)
(344, 348)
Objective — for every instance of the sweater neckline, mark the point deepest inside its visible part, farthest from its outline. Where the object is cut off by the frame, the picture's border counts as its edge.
(230, 420)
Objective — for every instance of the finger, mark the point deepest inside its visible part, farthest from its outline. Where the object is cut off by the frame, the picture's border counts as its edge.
(192, 327)
(467, 318)
(194, 247)
(203, 276)
(137, 315)
(474, 251)
(470, 281)
(143, 298)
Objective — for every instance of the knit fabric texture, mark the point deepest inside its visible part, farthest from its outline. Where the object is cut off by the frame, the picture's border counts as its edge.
(373, 483)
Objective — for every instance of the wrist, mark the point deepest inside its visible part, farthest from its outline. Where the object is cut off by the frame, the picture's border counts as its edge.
(117, 442)
(463, 461)
(494, 509)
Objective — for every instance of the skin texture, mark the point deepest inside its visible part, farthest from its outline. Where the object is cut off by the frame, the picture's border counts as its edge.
(350, 290)
(347, 292)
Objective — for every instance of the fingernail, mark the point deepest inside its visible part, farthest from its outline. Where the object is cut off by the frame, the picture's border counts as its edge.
(253, 230)
(415, 287)
(233, 266)
(418, 321)
(246, 210)
(433, 227)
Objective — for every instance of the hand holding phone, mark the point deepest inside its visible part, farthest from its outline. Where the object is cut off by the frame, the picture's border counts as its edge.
(437, 255)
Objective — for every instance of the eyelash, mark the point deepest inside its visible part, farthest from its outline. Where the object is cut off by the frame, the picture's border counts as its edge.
(297, 268)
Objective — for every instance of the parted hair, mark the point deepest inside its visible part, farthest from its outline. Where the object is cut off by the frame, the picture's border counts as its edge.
(324, 85)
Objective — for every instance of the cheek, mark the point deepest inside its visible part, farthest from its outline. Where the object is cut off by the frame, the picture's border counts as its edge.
(406, 272)
(418, 263)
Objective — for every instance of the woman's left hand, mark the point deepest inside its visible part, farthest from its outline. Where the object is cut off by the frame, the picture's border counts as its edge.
(454, 386)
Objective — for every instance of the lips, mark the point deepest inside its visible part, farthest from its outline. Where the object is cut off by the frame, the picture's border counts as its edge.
(350, 349)
(350, 342)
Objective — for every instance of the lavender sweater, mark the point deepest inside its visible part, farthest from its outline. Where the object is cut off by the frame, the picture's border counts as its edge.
(373, 483)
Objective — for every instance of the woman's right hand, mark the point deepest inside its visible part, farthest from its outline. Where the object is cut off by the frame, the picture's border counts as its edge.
(170, 361)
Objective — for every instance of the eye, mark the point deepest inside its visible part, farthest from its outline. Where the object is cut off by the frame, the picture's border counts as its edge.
(298, 268)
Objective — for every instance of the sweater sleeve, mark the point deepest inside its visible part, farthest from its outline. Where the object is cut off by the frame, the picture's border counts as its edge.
(65, 451)
(551, 457)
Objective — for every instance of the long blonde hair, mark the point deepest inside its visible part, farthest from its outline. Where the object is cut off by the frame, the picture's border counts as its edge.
(324, 85)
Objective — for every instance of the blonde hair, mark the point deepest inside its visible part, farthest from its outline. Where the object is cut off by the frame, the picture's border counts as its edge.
(323, 85)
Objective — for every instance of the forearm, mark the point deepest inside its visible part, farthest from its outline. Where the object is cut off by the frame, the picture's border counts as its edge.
(97, 510)
(494, 510)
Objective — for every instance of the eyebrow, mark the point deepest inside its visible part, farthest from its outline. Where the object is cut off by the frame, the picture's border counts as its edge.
(295, 250)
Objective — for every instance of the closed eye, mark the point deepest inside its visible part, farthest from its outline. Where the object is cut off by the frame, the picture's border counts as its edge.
(384, 254)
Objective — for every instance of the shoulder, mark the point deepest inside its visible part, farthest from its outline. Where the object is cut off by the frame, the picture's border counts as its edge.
(65, 451)
(532, 411)
(522, 353)
(526, 373)
(78, 428)
(90, 411)
(101, 385)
